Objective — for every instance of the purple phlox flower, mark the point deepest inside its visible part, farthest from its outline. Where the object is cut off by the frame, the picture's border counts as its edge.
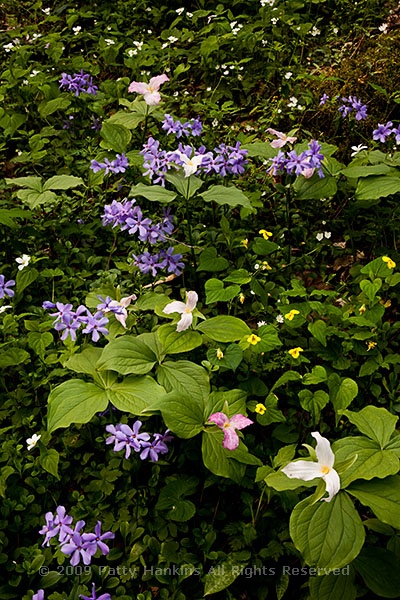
(118, 165)
(153, 449)
(48, 305)
(382, 132)
(278, 164)
(78, 526)
(105, 303)
(164, 437)
(118, 308)
(79, 83)
(78, 549)
(138, 224)
(95, 540)
(172, 262)
(197, 127)
(323, 99)
(48, 530)
(112, 439)
(353, 103)
(39, 595)
(156, 162)
(62, 311)
(193, 127)
(94, 596)
(147, 262)
(5, 287)
(69, 325)
(229, 427)
(167, 224)
(96, 123)
(128, 438)
(298, 162)
(230, 160)
(95, 324)
(117, 213)
(316, 157)
(396, 131)
(62, 523)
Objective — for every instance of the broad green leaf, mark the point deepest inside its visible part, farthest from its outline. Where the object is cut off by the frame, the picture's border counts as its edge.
(216, 292)
(34, 199)
(380, 570)
(49, 459)
(269, 340)
(240, 276)
(313, 403)
(128, 355)
(317, 375)
(264, 247)
(222, 194)
(135, 394)
(318, 330)
(25, 277)
(370, 288)
(261, 149)
(185, 186)
(33, 183)
(48, 107)
(171, 499)
(315, 188)
(7, 217)
(272, 414)
(280, 482)
(115, 137)
(231, 359)
(12, 357)
(181, 413)
(74, 401)
(328, 534)
(175, 342)
(333, 586)
(185, 378)
(234, 399)
(154, 193)
(211, 262)
(85, 361)
(373, 188)
(215, 456)
(382, 497)
(376, 423)
(288, 376)
(126, 119)
(39, 342)
(62, 182)
(371, 461)
(5, 472)
(224, 574)
(365, 171)
(224, 328)
(342, 393)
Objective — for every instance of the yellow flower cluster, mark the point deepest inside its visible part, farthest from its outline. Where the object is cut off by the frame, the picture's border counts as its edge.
(389, 262)
(266, 234)
(295, 352)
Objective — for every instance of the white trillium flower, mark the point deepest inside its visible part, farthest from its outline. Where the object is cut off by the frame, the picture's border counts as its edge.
(190, 165)
(23, 261)
(185, 310)
(307, 470)
(121, 305)
(4, 308)
(31, 442)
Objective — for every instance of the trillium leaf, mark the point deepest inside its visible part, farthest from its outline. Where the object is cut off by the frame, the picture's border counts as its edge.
(175, 342)
(334, 585)
(380, 570)
(225, 573)
(380, 186)
(328, 534)
(115, 137)
(185, 378)
(128, 355)
(315, 188)
(62, 182)
(215, 456)
(12, 357)
(135, 394)
(224, 328)
(382, 497)
(181, 413)
(74, 401)
(222, 194)
(154, 193)
(49, 459)
(85, 361)
(375, 422)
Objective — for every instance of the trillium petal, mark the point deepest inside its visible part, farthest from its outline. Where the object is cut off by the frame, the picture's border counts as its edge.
(176, 306)
(278, 143)
(185, 321)
(240, 421)
(192, 299)
(279, 134)
(231, 438)
(121, 317)
(152, 98)
(332, 484)
(303, 469)
(219, 418)
(139, 87)
(156, 81)
(323, 450)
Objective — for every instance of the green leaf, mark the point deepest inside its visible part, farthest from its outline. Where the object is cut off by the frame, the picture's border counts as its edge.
(318, 331)
(313, 403)
(280, 482)
(74, 401)
(7, 217)
(12, 357)
(126, 119)
(62, 182)
(209, 261)
(373, 188)
(376, 423)
(317, 375)
(215, 457)
(182, 413)
(224, 328)
(333, 586)
(170, 499)
(382, 497)
(315, 188)
(175, 342)
(240, 276)
(154, 193)
(215, 291)
(365, 171)
(135, 394)
(5, 472)
(260, 149)
(370, 288)
(34, 199)
(49, 459)
(288, 376)
(185, 378)
(230, 195)
(33, 183)
(231, 359)
(115, 137)
(25, 277)
(85, 361)
(342, 393)
(224, 574)
(328, 534)
(234, 399)
(371, 461)
(264, 247)
(380, 570)
(185, 186)
(128, 355)
(272, 414)
(39, 342)
(48, 107)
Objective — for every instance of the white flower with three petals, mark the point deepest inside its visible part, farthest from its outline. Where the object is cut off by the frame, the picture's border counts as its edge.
(185, 309)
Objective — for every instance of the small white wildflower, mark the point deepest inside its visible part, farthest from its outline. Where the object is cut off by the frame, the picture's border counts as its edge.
(23, 261)
(76, 29)
(315, 31)
(4, 308)
(189, 15)
(260, 323)
(327, 234)
(335, 30)
(357, 149)
(172, 39)
(320, 236)
(109, 42)
(46, 11)
(292, 102)
(280, 319)
(8, 47)
(288, 75)
(256, 266)
(179, 11)
(383, 28)
(274, 20)
(215, 123)
(31, 442)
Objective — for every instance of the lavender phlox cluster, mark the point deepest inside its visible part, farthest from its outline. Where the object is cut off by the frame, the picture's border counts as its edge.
(68, 321)
(157, 162)
(305, 163)
(382, 132)
(94, 596)
(79, 83)
(118, 165)
(175, 127)
(352, 103)
(129, 438)
(163, 260)
(5, 287)
(72, 542)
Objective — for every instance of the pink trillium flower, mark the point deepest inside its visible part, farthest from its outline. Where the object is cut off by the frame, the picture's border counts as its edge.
(184, 309)
(229, 426)
(282, 138)
(149, 90)
(119, 308)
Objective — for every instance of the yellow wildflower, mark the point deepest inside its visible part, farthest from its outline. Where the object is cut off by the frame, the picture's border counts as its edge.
(390, 263)
(245, 243)
(290, 315)
(241, 298)
(266, 234)
(362, 309)
(295, 352)
(253, 339)
(260, 408)
(220, 354)
(266, 266)
(386, 304)
(370, 345)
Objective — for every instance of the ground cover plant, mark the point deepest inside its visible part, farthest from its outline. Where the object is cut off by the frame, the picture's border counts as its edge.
(199, 291)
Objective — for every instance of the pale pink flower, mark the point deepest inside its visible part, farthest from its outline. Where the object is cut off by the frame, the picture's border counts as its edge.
(184, 309)
(149, 90)
(229, 426)
(120, 311)
(283, 138)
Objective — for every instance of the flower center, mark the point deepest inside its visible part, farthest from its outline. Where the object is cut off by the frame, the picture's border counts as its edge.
(188, 310)
(226, 425)
(325, 470)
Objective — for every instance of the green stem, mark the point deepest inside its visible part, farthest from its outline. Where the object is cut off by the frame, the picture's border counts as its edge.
(289, 226)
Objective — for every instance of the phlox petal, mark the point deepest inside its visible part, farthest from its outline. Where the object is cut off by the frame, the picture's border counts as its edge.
(185, 321)
(323, 450)
(231, 438)
(332, 484)
(176, 306)
(303, 469)
(240, 421)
